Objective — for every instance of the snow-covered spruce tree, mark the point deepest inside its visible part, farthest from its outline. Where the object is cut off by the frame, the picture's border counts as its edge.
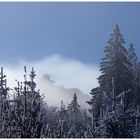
(116, 64)
(74, 119)
(28, 109)
(5, 122)
(118, 95)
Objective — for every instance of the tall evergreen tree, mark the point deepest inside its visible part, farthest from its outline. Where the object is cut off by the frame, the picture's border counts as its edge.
(116, 65)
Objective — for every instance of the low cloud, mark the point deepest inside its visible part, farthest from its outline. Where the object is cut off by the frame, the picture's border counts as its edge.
(57, 74)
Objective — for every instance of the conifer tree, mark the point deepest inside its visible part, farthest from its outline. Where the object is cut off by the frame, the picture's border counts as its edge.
(29, 108)
(74, 117)
(116, 65)
(5, 122)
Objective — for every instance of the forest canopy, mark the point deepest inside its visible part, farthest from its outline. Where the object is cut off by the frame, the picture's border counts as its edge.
(114, 105)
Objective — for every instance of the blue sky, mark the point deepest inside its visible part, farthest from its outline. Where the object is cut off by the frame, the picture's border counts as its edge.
(80, 31)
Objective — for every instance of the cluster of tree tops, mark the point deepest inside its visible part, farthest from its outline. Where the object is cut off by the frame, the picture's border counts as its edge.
(114, 105)
(26, 115)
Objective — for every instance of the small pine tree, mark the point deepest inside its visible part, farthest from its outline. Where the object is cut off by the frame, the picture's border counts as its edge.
(5, 122)
(74, 117)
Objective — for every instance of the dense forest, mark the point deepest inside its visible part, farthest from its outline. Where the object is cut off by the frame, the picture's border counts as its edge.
(114, 105)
